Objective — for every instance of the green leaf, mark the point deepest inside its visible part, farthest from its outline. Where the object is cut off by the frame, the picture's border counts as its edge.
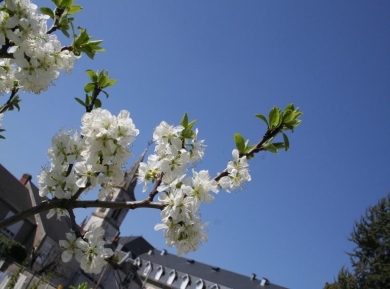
(288, 115)
(47, 11)
(66, 33)
(80, 101)
(111, 82)
(184, 120)
(191, 124)
(107, 95)
(286, 142)
(98, 103)
(66, 3)
(278, 145)
(103, 80)
(270, 147)
(289, 107)
(74, 9)
(56, 2)
(92, 75)
(187, 133)
(240, 142)
(89, 87)
(274, 117)
(262, 117)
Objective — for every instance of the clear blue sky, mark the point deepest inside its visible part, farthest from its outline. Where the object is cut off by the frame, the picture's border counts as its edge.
(223, 62)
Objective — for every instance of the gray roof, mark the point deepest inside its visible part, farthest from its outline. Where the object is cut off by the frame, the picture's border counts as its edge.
(196, 270)
(14, 193)
(54, 228)
(135, 244)
(18, 197)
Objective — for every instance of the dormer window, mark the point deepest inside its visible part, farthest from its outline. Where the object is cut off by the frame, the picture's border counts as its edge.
(171, 278)
(185, 280)
(160, 271)
(199, 284)
(148, 269)
(215, 286)
(137, 262)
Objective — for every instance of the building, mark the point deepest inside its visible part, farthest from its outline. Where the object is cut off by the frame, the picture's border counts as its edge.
(139, 264)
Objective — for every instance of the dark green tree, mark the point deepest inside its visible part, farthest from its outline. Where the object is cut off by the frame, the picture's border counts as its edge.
(370, 259)
(345, 280)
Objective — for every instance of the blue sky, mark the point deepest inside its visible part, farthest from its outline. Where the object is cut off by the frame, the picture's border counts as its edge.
(222, 62)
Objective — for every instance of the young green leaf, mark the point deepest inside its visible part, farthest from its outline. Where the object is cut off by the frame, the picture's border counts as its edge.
(80, 101)
(274, 117)
(98, 103)
(270, 147)
(286, 142)
(278, 145)
(92, 75)
(66, 3)
(47, 11)
(289, 107)
(240, 142)
(262, 117)
(89, 87)
(74, 9)
(184, 120)
(191, 124)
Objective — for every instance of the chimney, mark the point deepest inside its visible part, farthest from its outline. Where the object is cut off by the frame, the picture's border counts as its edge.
(264, 281)
(253, 276)
(25, 179)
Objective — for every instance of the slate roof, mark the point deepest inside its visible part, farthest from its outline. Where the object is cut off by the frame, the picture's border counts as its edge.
(196, 270)
(53, 228)
(14, 193)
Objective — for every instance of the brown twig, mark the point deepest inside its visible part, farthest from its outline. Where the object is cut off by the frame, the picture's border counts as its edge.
(72, 204)
(257, 148)
(9, 101)
(75, 228)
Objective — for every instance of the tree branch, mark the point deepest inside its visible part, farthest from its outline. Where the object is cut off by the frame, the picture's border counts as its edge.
(74, 223)
(72, 204)
(257, 148)
(154, 192)
(9, 101)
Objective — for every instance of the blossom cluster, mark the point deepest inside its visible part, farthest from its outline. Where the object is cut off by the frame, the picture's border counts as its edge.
(89, 251)
(238, 173)
(176, 149)
(94, 156)
(35, 58)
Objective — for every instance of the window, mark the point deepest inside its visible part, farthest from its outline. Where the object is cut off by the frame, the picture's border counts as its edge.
(171, 278)
(185, 280)
(44, 252)
(12, 230)
(215, 286)
(199, 284)
(148, 269)
(160, 271)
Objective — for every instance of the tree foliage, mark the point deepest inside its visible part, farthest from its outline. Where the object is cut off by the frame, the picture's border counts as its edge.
(370, 259)
(11, 248)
